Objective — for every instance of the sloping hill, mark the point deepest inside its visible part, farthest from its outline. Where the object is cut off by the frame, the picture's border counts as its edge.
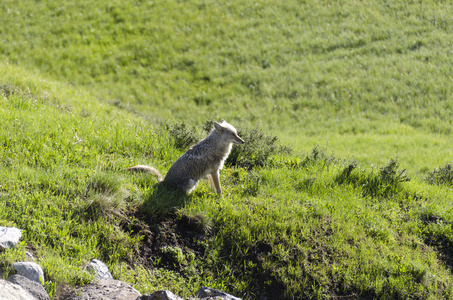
(350, 76)
(309, 226)
(300, 224)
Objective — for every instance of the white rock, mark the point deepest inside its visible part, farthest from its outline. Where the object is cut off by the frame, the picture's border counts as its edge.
(30, 270)
(11, 291)
(206, 292)
(100, 270)
(9, 237)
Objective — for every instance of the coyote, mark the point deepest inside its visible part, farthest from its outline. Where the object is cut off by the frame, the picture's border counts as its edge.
(204, 159)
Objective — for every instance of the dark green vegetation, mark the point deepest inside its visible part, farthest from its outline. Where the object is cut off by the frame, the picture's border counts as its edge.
(90, 88)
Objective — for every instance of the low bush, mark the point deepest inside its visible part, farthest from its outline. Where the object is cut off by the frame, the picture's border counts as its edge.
(441, 176)
(384, 183)
(256, 150)
(183, 136)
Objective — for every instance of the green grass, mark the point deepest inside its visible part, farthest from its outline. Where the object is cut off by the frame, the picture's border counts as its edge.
(342, 75)
(309, 226)
(88, 89)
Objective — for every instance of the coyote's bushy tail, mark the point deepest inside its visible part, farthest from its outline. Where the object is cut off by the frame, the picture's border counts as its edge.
(147, 169)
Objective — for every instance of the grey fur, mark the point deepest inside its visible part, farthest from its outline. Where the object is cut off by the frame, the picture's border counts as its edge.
(204, 159)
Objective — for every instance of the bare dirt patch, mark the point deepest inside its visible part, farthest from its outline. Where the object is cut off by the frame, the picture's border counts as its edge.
(170, 230)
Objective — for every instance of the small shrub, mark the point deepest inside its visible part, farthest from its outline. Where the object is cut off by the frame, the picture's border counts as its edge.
(390, 173)
(387, 182)
(256, 150)
(441, 176)
(183, 136)
(208, 126)
(384, 183)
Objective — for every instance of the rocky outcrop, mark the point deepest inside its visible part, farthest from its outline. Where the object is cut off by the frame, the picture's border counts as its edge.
(27, 283)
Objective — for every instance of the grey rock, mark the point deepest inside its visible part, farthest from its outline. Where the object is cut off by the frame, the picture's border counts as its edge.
(12, 291)
(106, 289)
(100, 270)
(32, 287)
(206, 292)
(9, 237)
(30, 270)
(160, 295)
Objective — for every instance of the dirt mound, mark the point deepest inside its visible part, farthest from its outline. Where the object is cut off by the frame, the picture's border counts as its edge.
(170, 231)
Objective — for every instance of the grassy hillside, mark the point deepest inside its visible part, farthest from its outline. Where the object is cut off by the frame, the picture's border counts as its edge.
(91, 88)
(310, 226)
(370, 80)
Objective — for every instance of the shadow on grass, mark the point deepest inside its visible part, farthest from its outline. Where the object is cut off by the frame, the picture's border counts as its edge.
(444, 247)
(168, 236)
(438, 235)
(163, 201)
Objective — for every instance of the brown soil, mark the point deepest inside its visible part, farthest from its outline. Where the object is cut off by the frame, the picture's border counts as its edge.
(170, 230)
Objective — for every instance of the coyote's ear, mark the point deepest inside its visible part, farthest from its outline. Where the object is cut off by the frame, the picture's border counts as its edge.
(222, 121)
(217, 126)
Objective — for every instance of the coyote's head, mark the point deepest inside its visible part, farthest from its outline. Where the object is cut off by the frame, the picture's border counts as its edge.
(228, 133)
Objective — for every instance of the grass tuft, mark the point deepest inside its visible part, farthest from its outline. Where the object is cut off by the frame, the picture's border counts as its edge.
(105, 196)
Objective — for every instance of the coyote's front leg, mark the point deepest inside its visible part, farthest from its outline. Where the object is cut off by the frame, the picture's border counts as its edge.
(214, 180)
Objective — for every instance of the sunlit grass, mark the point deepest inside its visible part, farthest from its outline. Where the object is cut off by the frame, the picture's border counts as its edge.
(306, 70)
(88, 89)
